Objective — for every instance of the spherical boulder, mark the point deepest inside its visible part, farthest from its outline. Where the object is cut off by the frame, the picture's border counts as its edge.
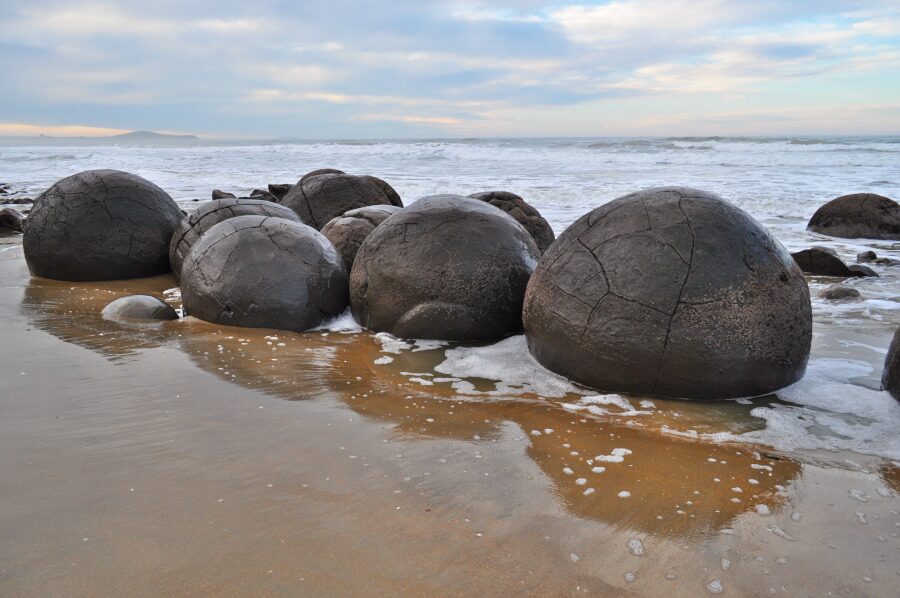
(321, 197)
(838, 292)
(446, 267)
(319, 171)
(11, 221)
(670, 292)
(523, 212)
(858, 216)
(194, 226)
(139, 307)
(348, 232)
(100, 225)
(264, 272)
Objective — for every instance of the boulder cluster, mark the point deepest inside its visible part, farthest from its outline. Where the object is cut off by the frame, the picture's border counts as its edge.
(669, 292)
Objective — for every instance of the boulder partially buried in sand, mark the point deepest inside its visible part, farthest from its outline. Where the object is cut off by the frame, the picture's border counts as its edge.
(348, 232)
(264, 272)
(100, 225)
(822, 261)
(858, 216)
(838, 292)
(523, 212)
(320, 197)
(139, 307)
(193, 226)
(670, 292)
(446, 267)
(10, 221)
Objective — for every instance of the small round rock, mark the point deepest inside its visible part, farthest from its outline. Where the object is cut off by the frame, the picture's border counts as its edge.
(193, 226)
(139, 307)
(838, 292)
(100, 225)
(446, 267)
(264, 272)
(320, 197)
(523, 212)
(348, 232)
(670, 292)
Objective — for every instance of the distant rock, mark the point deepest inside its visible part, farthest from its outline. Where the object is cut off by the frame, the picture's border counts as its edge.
(858, 216)
(279, 190)
(523, 212)
(870, 257)
(822, 261)
(218, 194)
(17, 201)
(861, 271)
(838, 292)
(10, 221)
(263, 194)
(139, 307)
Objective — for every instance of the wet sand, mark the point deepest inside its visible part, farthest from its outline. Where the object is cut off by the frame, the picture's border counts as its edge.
(190, 459)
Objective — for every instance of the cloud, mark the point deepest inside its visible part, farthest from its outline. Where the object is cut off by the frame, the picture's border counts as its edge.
(31, 130)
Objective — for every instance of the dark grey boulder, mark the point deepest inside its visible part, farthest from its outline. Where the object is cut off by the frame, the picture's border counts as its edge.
(671, 292)
(890, 377)
(838, 292)
(858, 216)
(821, 261)
(446, 267)
(317, 172)
(523, 212)
(348, 232)
(263, 194)
(264, 272)
(324, 196)
(279, 190)
(870, 257)
(139, 307)
(10, 221)
(218, 194)
(860, 271)
(193, 226)
(100, 225)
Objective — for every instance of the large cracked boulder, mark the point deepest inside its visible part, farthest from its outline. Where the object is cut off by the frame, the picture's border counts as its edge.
(858, 216)
(321, 196)
(193, 226)
(348, 232)
(446, 267)
(670, 292)
(524, 213)
(264, 272)
(100, 225)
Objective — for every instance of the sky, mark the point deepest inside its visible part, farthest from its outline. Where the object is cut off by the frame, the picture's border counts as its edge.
(395, 69)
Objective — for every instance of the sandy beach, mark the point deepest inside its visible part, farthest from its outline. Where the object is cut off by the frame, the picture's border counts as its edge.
(186, 458)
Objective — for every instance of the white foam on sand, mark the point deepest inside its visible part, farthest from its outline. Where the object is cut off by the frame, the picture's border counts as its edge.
(392, 344)
(509, 364)
(827, 411)
(599, 405)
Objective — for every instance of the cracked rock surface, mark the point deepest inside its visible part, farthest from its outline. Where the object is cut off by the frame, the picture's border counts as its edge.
(670, 292)
(193, 226)
(858, 216)
(100, 225)
(446, 267)
(139, 307)
(348, 232)
(323, 195)
(264, 272)
(524, 213)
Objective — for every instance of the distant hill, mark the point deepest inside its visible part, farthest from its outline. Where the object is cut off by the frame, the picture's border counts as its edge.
(133, 138)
